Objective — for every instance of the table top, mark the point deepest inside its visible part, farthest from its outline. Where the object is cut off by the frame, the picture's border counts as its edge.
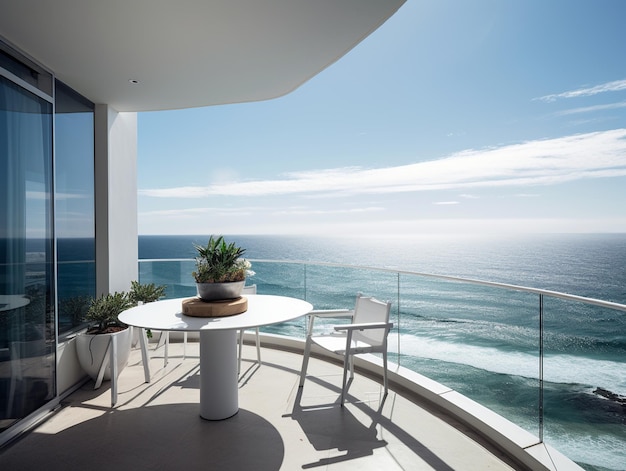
(12, 301)
(262, 310)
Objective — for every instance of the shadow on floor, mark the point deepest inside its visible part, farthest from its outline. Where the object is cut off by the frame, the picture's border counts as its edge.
(331, 426)
(154, 437)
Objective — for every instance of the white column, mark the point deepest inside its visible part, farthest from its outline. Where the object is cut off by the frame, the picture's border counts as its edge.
(116, 199)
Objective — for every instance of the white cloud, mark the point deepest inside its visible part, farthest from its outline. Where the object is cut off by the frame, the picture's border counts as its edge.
(541, 162)
(446, 203)
(614, 86)
(526, 195)
(418, 227)
(194, 212)
(185, 213)
(591, 109)
(307, 211)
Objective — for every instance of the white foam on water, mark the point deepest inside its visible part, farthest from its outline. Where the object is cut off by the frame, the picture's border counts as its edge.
(590, 448)
(566, 369)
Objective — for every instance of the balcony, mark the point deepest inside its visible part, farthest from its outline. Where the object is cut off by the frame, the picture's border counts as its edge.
(446, 409)
(278, 427)
(501, 357)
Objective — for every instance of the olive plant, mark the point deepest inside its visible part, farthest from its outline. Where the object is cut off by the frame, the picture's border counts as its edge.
(145, 293)
(104, 311)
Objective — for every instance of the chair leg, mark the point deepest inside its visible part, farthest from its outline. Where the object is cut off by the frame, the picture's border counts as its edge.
(351, 366)
(385, 381)
(347, 364)
(258, 347)
(164, 340)
(161, 341)
(166, 349)
(240, 345)
(184, 345)
(145, 358)
(305, 360)
(307, 350)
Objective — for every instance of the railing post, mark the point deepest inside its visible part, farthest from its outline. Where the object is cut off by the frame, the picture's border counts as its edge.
(541, 368)
(305, 281)
(305, 288)
(398, 324)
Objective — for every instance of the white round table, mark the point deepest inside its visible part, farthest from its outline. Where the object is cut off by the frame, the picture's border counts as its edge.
(218, 341)
(12, 301)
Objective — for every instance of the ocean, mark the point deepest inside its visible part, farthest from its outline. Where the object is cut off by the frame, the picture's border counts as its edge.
(478, 340)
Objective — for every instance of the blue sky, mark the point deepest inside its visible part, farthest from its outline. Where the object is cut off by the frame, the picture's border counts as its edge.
(453, 117)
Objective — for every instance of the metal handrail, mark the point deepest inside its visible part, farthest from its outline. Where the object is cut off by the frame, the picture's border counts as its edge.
(493, 284)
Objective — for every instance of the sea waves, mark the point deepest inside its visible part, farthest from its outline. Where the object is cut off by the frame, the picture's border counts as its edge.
(560, 368)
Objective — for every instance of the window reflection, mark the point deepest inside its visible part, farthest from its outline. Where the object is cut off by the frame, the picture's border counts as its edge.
(74, 197)
(27, 328)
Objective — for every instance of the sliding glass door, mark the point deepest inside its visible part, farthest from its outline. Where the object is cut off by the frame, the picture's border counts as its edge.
(27, 320)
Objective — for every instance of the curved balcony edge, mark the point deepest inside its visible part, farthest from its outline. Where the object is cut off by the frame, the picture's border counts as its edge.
(506, 436)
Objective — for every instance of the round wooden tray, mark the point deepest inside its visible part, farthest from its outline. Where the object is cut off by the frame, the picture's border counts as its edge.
(196, 307)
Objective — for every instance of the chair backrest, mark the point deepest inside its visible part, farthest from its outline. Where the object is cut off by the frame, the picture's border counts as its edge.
(366, 310)
(249, 289)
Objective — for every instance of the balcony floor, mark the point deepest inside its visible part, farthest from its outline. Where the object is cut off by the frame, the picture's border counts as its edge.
(157, 426)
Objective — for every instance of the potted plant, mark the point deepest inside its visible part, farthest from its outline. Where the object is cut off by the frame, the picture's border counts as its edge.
(145, 293)
(74, 309)
(92, 345)
(220, 270)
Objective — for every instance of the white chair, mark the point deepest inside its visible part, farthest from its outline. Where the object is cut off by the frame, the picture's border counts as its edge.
(367, 333)
(248, 290)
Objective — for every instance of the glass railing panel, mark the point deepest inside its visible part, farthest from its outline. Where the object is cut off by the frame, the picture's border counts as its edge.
(480, 341)
(175, 275)
(332, 287)
(325, 287)
(584, 382)
(285, 279)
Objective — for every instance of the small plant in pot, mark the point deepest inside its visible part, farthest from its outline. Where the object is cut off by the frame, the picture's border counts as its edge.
(220, 270)
(104, 311)
(145, 293)
(92, 345)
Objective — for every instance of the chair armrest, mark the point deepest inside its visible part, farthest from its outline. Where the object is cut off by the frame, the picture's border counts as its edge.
(364, 326)
(329, 313)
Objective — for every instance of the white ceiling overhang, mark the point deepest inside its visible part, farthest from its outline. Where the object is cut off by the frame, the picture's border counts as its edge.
(188, 53)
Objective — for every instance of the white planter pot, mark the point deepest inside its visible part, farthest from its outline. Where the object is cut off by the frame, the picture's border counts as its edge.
(219, 291)
(92, 348)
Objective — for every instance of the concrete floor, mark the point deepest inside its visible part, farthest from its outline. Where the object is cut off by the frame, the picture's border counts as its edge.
(279, 426)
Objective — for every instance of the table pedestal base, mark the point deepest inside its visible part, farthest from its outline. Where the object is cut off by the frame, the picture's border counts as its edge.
(218, 374)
